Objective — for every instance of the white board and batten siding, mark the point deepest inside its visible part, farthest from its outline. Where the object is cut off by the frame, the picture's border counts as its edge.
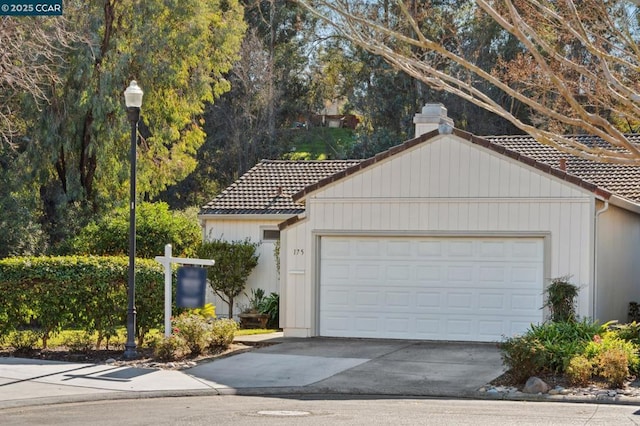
(445, 188)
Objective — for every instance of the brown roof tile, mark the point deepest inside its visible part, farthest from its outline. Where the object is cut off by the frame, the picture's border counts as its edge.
(268, 186)
(257, 191)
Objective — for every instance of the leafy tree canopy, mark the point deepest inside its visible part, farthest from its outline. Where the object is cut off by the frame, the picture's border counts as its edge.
(178, 52)
(234, 262)
(156, 226)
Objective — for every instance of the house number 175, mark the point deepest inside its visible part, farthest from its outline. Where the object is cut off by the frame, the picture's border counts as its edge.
(298, 252)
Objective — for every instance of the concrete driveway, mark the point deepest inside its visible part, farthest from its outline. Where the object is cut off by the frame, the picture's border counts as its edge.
(358, 366)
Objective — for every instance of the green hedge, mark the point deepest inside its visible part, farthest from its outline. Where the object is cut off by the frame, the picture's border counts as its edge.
(80, 292)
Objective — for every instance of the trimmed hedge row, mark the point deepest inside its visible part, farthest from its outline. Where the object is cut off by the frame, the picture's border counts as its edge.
(80, 292)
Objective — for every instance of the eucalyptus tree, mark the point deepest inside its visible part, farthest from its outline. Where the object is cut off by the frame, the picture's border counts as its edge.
(178, 51)
(577, 69)
(31, 52)
(269, 90)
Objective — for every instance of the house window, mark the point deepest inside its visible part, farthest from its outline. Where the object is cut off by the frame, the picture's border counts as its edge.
(270, 234)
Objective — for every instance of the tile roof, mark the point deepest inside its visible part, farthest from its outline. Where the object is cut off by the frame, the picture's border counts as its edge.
(604, 179)
(268, 186)
(277, 186)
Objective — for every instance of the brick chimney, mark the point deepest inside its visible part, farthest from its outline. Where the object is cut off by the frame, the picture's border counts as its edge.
(432, 117)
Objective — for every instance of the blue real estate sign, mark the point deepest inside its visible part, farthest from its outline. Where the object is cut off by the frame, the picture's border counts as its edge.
(192, 284)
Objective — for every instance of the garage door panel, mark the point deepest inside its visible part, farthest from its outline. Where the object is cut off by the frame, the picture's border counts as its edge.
(429, 249)
(397, 299)
(430, 288)
(457, 273)
(428, 273)
(491, 302)
(399, 248)
(428, 299)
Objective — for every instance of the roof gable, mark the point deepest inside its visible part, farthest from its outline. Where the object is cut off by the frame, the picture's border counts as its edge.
(603, 179)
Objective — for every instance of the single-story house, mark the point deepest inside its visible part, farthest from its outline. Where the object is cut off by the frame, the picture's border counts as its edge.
(450, 236)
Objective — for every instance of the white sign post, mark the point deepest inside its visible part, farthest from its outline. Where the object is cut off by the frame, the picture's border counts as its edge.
(166, 261)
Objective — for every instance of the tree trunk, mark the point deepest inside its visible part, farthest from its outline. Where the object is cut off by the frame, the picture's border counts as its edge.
(230, 307)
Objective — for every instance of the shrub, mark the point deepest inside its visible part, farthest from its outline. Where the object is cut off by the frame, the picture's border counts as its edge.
(195, 330)
(547, 348)
(580, 370)
(222, 333)
(156, 226)
(561, 299)
(270, 305)
(170, 348)
(81, 341)
(629, 332)
(613, 365)
(85, 292)
(613, 357)
(523, 355)
(207, 311)
(23, 341)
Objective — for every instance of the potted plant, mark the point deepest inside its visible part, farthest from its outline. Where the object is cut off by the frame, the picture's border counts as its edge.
(252, 317)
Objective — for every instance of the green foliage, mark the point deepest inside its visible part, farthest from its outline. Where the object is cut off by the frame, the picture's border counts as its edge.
(23, 341)
(78, 142)
(193, 335)
(156, 226)
(88, 293)
(256, 299)
(222, 333)
(319, 143)
(634, 312)
(170, 348)
(611, 341)
(613, 366)
(234, 262)
(80, 342)
(561, 295)
(580, 370)
(547, 348)
(207, 311)
(629, 332)
(523, 355)
(21, 233)
(270, 305)
(369, 143)
(194, 329)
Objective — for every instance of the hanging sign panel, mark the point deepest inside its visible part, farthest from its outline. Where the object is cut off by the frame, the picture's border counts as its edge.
(192, 283)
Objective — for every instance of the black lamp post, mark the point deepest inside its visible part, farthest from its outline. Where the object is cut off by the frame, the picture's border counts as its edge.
(133, 101)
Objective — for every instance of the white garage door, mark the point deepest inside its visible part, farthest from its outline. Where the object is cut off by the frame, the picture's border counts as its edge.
(466, 289)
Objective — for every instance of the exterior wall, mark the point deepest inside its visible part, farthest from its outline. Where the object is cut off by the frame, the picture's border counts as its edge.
(264, 276)
(618, 269)
(447, 186)
(296, 300)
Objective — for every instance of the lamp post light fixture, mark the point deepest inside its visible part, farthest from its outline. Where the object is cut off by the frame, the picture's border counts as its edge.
(133, 101)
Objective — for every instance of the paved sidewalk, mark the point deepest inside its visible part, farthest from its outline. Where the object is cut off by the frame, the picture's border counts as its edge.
(293, 366)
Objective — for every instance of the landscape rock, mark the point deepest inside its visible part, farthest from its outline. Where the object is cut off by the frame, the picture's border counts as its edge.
(535, 385)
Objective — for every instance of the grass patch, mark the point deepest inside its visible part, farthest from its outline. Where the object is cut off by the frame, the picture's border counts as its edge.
(320, 143)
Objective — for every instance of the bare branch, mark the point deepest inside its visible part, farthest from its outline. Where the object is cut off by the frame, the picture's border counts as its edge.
(578, 70)
(31, 50)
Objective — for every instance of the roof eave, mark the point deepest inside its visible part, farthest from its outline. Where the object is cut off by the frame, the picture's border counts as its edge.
(624, 203)
(246, 216)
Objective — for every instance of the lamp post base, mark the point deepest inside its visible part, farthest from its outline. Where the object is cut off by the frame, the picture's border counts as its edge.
(130, 352)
